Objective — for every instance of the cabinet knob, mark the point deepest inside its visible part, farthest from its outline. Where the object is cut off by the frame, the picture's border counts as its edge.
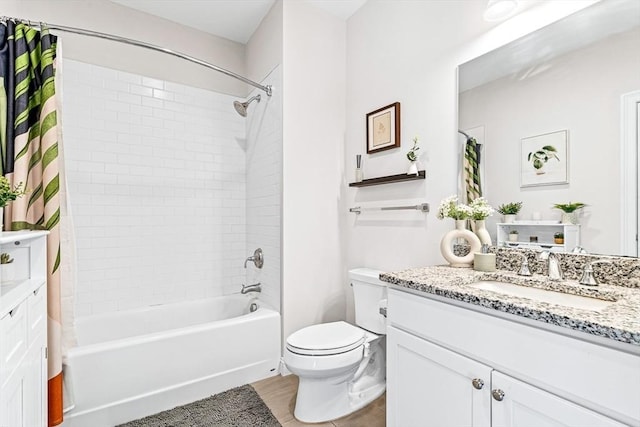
(477, 383)
(498, 394)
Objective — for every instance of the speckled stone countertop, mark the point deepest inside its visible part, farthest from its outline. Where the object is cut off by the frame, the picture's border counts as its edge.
(619, 321)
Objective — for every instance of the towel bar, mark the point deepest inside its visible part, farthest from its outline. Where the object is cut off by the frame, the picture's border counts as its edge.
(423, 207)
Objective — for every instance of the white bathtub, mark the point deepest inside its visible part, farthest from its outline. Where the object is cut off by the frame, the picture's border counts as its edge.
(135, 363)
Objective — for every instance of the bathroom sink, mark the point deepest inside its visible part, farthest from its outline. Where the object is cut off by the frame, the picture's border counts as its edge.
(543, 295)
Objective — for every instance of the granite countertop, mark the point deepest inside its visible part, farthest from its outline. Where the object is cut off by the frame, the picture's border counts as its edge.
(619, 321)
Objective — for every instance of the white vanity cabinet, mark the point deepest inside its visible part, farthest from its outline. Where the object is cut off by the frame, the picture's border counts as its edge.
(452, 366)
(428, 385)
(23, 331)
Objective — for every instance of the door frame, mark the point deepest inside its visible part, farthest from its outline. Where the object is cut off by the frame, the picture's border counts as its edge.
(629, 173)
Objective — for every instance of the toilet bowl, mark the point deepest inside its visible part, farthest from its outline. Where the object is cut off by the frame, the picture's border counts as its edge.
(341, 367)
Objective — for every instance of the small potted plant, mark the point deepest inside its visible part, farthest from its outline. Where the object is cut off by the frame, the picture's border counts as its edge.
(413, 158)
(569, 211)
(509, 211)
(558, 238)
(6, 268)
(513, 235)
(7, 195)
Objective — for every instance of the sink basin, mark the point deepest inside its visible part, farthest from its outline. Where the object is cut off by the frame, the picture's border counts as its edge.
(543, 295)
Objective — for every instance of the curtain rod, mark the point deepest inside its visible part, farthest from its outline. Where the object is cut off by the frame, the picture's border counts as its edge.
(267, 89)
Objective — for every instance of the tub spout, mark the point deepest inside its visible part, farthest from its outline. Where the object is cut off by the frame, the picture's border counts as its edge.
(251, 288)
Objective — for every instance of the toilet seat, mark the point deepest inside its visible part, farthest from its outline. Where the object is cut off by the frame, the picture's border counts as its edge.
(326, 339)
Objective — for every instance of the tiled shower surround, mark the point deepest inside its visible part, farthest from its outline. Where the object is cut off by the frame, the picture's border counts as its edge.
(156, 174)
(264, 187)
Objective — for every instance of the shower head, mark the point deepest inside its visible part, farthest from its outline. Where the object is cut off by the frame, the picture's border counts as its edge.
(241, 107)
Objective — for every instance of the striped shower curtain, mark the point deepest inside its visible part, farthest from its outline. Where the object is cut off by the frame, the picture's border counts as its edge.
(30, 155)
(471, 169)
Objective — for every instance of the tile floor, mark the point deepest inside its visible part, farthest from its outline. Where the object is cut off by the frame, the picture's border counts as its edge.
(279, 393)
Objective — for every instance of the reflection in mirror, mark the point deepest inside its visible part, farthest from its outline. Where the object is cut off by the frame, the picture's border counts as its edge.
(578, 77)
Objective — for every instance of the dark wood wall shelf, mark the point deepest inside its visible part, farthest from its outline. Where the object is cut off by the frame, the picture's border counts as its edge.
(388, 179)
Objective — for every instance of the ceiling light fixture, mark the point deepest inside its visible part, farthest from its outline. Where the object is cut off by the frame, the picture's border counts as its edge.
(498, 10)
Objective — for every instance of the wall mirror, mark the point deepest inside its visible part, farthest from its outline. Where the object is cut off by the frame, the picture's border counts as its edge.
(578, 77)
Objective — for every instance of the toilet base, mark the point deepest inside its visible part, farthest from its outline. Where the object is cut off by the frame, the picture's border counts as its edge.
(328, 402)
(325, 399)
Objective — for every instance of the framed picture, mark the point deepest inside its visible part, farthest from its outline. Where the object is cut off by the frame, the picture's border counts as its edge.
(544, 159)
(383, 128)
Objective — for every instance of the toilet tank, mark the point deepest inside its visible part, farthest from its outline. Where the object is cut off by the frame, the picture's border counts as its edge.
(369, 293)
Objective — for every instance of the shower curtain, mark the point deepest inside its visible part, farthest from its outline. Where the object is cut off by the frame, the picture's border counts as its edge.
(471, 169)
(30, 155)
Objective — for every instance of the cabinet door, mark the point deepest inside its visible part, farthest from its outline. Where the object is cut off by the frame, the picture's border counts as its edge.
(431, 386)
(11, 400)
(34, 392)
(523, 405)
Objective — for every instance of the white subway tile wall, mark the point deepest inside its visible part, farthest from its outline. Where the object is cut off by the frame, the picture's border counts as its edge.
(156, 174)
(264, 188)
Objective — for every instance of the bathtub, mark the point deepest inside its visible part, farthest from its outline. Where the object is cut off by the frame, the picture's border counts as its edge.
(135, 363)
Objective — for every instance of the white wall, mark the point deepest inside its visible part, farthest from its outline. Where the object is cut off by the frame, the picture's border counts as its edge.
(107, 17)
(157, 185)
(579, 92)
(263, 52)
(314, 124)
(408, 51)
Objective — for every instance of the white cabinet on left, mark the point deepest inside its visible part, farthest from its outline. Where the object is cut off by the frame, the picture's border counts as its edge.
(23, 329)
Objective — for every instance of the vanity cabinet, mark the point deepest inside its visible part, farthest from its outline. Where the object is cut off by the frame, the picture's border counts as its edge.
(23, 331)
(448, 365)
(543, 232)
(428, 385)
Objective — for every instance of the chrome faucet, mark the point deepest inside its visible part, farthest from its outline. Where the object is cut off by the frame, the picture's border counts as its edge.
(524, 267)
(587, 277)
(553, 265)
(257, 258)
(251, 288)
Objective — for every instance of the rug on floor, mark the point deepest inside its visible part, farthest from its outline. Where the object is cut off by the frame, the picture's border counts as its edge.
(238, 407)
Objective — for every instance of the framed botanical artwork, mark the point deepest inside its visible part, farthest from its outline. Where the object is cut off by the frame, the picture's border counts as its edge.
(383, 128)
(544, 159)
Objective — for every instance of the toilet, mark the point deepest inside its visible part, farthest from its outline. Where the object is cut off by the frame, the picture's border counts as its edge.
(341, 367)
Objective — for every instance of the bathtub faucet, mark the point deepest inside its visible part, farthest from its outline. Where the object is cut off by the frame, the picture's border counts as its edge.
(251, 288)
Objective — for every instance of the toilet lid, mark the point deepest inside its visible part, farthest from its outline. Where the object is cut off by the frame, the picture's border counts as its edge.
(325, 339)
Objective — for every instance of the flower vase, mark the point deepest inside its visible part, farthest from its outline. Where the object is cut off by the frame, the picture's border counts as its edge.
(413, 168)
(460, 232)
(482, 233)
(1, 219)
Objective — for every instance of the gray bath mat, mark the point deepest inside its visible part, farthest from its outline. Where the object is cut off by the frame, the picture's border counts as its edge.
(238, 407)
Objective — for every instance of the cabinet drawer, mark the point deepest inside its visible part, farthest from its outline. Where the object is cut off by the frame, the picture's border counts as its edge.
(13, 339)
(37, 313)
